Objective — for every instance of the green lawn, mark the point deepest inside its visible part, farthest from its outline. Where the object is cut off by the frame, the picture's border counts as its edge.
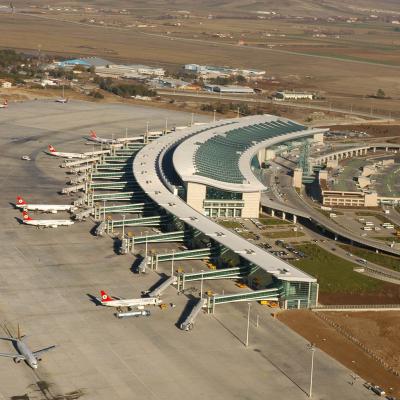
(334, 274)
(393, 238)
(282, 234)
(377, 258)
(230, 224)
(268, 221)
(247, 235)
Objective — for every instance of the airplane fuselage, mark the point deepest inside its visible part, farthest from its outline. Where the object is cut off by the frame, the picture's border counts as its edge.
(132, 302)
(51, 223)
(52, 208)
(66, 155)
(101, 140)
(24, 350)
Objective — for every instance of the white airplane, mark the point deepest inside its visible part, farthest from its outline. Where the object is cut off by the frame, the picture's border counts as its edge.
(94, 138)
(52, 208)
(32, 358)
(45, 223)
(61, 100)
(52, 151)
(108, 301)
(4, 105)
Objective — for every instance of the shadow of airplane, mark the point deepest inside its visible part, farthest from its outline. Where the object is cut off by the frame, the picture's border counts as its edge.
(94, 299)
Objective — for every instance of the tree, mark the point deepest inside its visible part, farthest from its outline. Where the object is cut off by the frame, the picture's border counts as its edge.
(380, 94)
(240, 79)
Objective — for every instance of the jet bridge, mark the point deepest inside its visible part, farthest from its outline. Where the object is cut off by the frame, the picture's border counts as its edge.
(120, 159)
(255, 295)
(118, 196)
(111, 175)
(100, 211)
(113, 167)
(145, 221)
(188, 323)
(120, 185)
(224, 273)
(197, 254)
(73, 189)
(78, 179)
(83, 168)
(83, 161)
(162, 237)
(159, 290)
(83, 214)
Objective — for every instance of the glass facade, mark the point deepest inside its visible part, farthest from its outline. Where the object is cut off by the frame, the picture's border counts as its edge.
(300, 294)
(217, 209)
(222, 203)
(218, 194)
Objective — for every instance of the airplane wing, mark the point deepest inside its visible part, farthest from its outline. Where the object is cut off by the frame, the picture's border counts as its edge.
(19, 356)
(35, 353)
(8, 338)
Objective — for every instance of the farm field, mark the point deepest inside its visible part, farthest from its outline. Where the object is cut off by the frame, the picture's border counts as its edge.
(274, 45)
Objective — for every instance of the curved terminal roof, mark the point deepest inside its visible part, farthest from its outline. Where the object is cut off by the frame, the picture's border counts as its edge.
(221, 156)
(148, 172)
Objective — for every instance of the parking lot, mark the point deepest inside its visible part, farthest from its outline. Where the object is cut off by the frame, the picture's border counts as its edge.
(48, 279)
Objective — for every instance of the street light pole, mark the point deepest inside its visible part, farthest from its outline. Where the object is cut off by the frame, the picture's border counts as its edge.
(172, 263)
(312, 348)
(201, 285)
(123, 226)
(248, 325)
(145, 251)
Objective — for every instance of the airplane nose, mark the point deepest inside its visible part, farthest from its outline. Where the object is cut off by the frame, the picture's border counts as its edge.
(34, 366)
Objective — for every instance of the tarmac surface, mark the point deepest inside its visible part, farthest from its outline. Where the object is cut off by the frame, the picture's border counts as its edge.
(48, 278)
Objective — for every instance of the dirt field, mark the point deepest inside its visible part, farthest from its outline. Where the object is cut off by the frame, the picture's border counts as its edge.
(378, 331)
(132, 45)
(375, 130)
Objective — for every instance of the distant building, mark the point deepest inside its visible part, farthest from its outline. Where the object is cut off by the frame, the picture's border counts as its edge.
(169, 83)
(283, 95)
(5, 84)
(209, 71)
(349, 199)
(85, 62)
(229, 89)
(128, 71)
(48, 82)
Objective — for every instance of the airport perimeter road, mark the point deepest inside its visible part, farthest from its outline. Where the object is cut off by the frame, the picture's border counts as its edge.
(263, 100)
(47, 278)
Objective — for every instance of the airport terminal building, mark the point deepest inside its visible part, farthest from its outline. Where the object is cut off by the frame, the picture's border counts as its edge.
(210, 170)
(217, 169)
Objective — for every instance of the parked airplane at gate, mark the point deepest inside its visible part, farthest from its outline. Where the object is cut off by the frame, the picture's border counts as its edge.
(51, 208)
(52, 151)
(32, 358)
(94, 138)
(45, 223)
(119, 303)
(4, 105)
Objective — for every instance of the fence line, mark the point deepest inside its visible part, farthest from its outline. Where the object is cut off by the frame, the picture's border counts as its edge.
(357, 342)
